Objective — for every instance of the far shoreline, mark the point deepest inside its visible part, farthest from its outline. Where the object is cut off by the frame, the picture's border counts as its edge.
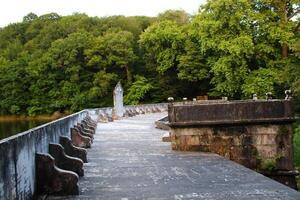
(43, 117)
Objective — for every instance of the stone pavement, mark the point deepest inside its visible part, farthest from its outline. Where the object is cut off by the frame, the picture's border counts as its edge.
(128, 161)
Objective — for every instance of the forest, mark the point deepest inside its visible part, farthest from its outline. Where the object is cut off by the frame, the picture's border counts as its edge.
(52, 63)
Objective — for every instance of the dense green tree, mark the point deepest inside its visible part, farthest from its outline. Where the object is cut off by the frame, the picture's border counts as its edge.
(236, 48)
(66, 63)
(163, 42)
(138, 90)
(30, 17)
(244, 42)
(178, 16)
(14, 93)
(113, 50)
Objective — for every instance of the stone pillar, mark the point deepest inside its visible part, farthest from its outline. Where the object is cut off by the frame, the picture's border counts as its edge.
(118, 110)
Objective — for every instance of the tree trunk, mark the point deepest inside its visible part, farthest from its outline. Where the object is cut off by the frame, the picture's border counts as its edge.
(284, 22)
(128, 74)
(284, 51)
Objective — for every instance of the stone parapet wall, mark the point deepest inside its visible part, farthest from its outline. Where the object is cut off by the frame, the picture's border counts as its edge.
(17, 153)
(254, 146)
(256, 134)
(106, 114)
(230, 112)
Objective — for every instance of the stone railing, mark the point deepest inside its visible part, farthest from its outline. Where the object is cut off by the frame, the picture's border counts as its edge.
(257, 134)
(20, 153)
(106, 114)
(17, 155)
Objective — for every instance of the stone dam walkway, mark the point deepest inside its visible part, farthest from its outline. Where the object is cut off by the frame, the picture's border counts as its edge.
(129, 161)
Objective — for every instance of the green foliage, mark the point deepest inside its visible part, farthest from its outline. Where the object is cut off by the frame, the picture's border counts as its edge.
(113, 50)
(230, 48)
(268, 165)
(51, 63)
(192, 64)
(137, 90)
(242, 40)
(163, 41)
(297, 145)
(260, 81)
(178, 16)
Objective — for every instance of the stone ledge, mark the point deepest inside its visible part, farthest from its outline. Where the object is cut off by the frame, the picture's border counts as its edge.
(234, 122)
(232, 111)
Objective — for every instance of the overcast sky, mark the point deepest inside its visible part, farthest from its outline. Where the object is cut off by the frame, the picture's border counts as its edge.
(14, 10)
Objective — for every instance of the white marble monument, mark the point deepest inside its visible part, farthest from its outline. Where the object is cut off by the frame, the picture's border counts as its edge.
(118, 110)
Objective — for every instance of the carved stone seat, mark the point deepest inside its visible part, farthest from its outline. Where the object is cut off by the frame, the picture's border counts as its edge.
(52, 180)
(64, 161)
(80, 140)
(72, 150)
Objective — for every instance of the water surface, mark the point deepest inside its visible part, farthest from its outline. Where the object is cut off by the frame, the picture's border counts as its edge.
(12, 127)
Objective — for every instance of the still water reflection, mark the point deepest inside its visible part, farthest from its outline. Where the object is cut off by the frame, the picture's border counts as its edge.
(12, 127)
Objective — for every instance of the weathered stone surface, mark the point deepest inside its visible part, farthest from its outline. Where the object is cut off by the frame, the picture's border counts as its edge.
(91, 121)
(256, 134)
(239, 143)
(162, 124)
(166, 137)
(285, 177)
(52, 180)
(72, 150)
(129, 161)
(84, 132)
(135, 112)
(127, 114)
(17, 160)
(80, 140)
(64, 161)
(102, 118)
(110, 118)
(88, 126)
(213, 113)
(17, 156)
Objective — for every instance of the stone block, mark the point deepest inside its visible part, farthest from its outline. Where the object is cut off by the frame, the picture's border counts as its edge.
(86, 129)
(64, 161)
(91, 121)
(72, 150)
(102, 118)
(157, 109)
(84, 132)
(129, 113)
(126, 114)
(90, 125)
(51, 180)
(80, 140)
(166, 137)
(267, 152)
(110, 118)
(231, 112)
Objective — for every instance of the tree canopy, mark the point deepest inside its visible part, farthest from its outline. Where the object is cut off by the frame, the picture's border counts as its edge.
(229, 48)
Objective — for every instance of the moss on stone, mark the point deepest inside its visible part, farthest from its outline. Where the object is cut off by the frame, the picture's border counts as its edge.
(268, 164)
(283, 130)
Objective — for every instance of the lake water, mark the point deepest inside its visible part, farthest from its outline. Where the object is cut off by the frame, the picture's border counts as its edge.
(9, 128)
